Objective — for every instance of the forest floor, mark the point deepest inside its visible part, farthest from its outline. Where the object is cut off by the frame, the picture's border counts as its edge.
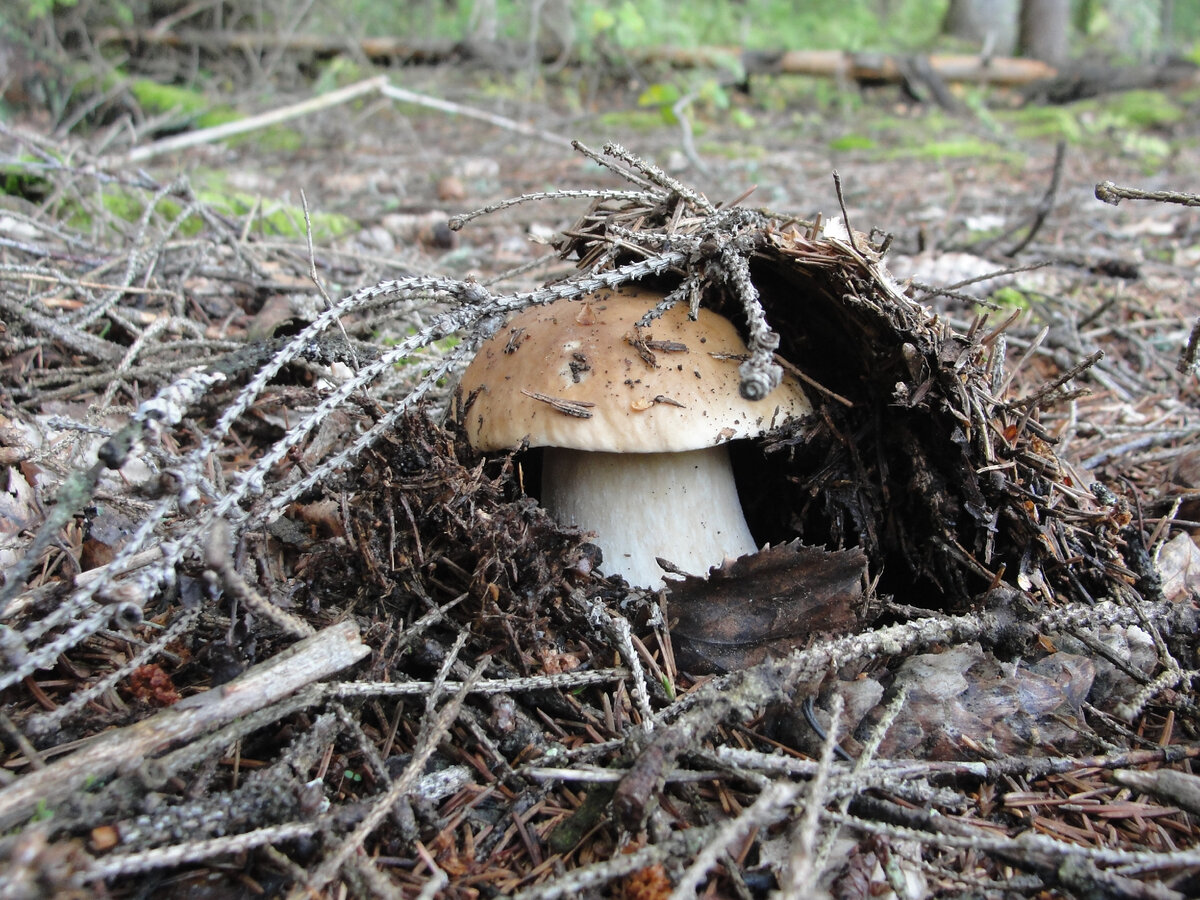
(475, 752)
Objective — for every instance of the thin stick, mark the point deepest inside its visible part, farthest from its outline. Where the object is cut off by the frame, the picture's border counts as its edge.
(219, 560)
(435, 725)
(1047, 389)
(837, 188)
(1114, 194)
(1187, 359)
(1047, 202)
(395, 93)
(331, 650)
(274, 117)
(197, 851)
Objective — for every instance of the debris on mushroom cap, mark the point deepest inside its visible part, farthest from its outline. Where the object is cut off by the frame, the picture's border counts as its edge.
(583, 375)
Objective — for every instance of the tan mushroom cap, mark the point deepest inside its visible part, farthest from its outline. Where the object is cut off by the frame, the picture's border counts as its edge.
(579, 374)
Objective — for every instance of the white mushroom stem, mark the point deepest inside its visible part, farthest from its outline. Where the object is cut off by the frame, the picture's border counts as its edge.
(682, 507)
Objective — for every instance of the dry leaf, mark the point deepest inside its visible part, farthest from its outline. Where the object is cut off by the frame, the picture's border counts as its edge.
(1179, 566)
(765, 605)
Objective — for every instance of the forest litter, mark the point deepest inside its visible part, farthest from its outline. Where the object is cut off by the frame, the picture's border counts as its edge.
(270, 622)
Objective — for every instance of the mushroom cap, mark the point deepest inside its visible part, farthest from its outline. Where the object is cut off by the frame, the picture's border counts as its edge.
(579, 374)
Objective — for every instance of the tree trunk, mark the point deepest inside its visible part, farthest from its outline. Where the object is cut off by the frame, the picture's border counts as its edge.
(1046, 30)
(991, 24)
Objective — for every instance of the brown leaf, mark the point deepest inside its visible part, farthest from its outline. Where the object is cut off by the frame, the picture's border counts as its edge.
(765, 604)
(1179, 565)
(107, 532)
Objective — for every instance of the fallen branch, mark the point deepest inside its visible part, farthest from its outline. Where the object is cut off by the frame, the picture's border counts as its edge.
(273, 117)
(330, 650)
(395, 93)
(378, 84)
(869, 67)
(1113, 194)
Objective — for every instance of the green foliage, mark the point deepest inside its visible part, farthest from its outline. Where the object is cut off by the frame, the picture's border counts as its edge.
(668, 687)
(624, 27)
(338, 72)
(739, 151)
(1150, 150)
(663, 96)
(1124, 31)
(709, 95)
(126, 205)
(775, 24)
(183, 106)
(632, 119)
(198, 110)
(625, 24)
(1049, 122)
(276, 138)
(39, 9)
(712, 92)
(742, 119)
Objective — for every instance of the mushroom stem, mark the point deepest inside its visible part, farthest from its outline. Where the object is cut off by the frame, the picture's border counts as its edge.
(682, 507)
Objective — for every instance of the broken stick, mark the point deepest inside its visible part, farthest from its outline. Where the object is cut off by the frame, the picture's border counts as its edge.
(326, 652)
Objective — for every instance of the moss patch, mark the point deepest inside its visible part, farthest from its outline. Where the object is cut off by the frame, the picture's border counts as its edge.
(267, 218)
(199, 110)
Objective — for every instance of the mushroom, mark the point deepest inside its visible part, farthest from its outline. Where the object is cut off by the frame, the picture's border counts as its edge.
(634, 421)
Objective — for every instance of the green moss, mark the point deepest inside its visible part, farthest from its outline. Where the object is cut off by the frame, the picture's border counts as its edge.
(852, 142)
(1011, 298)
(125, 204)
(612, 25)
(1116, 114)
(1042, 122)
(270, 219)
(742, 119)
(337, 73)
(128, 205)
(277, 138)
(157, 99)
(273, 219)
(661, 96)
(22, 178)
(1150, 151)
(160, 98)
(633, 119)
(734, 150)
(1135, 109)
(955, 148)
